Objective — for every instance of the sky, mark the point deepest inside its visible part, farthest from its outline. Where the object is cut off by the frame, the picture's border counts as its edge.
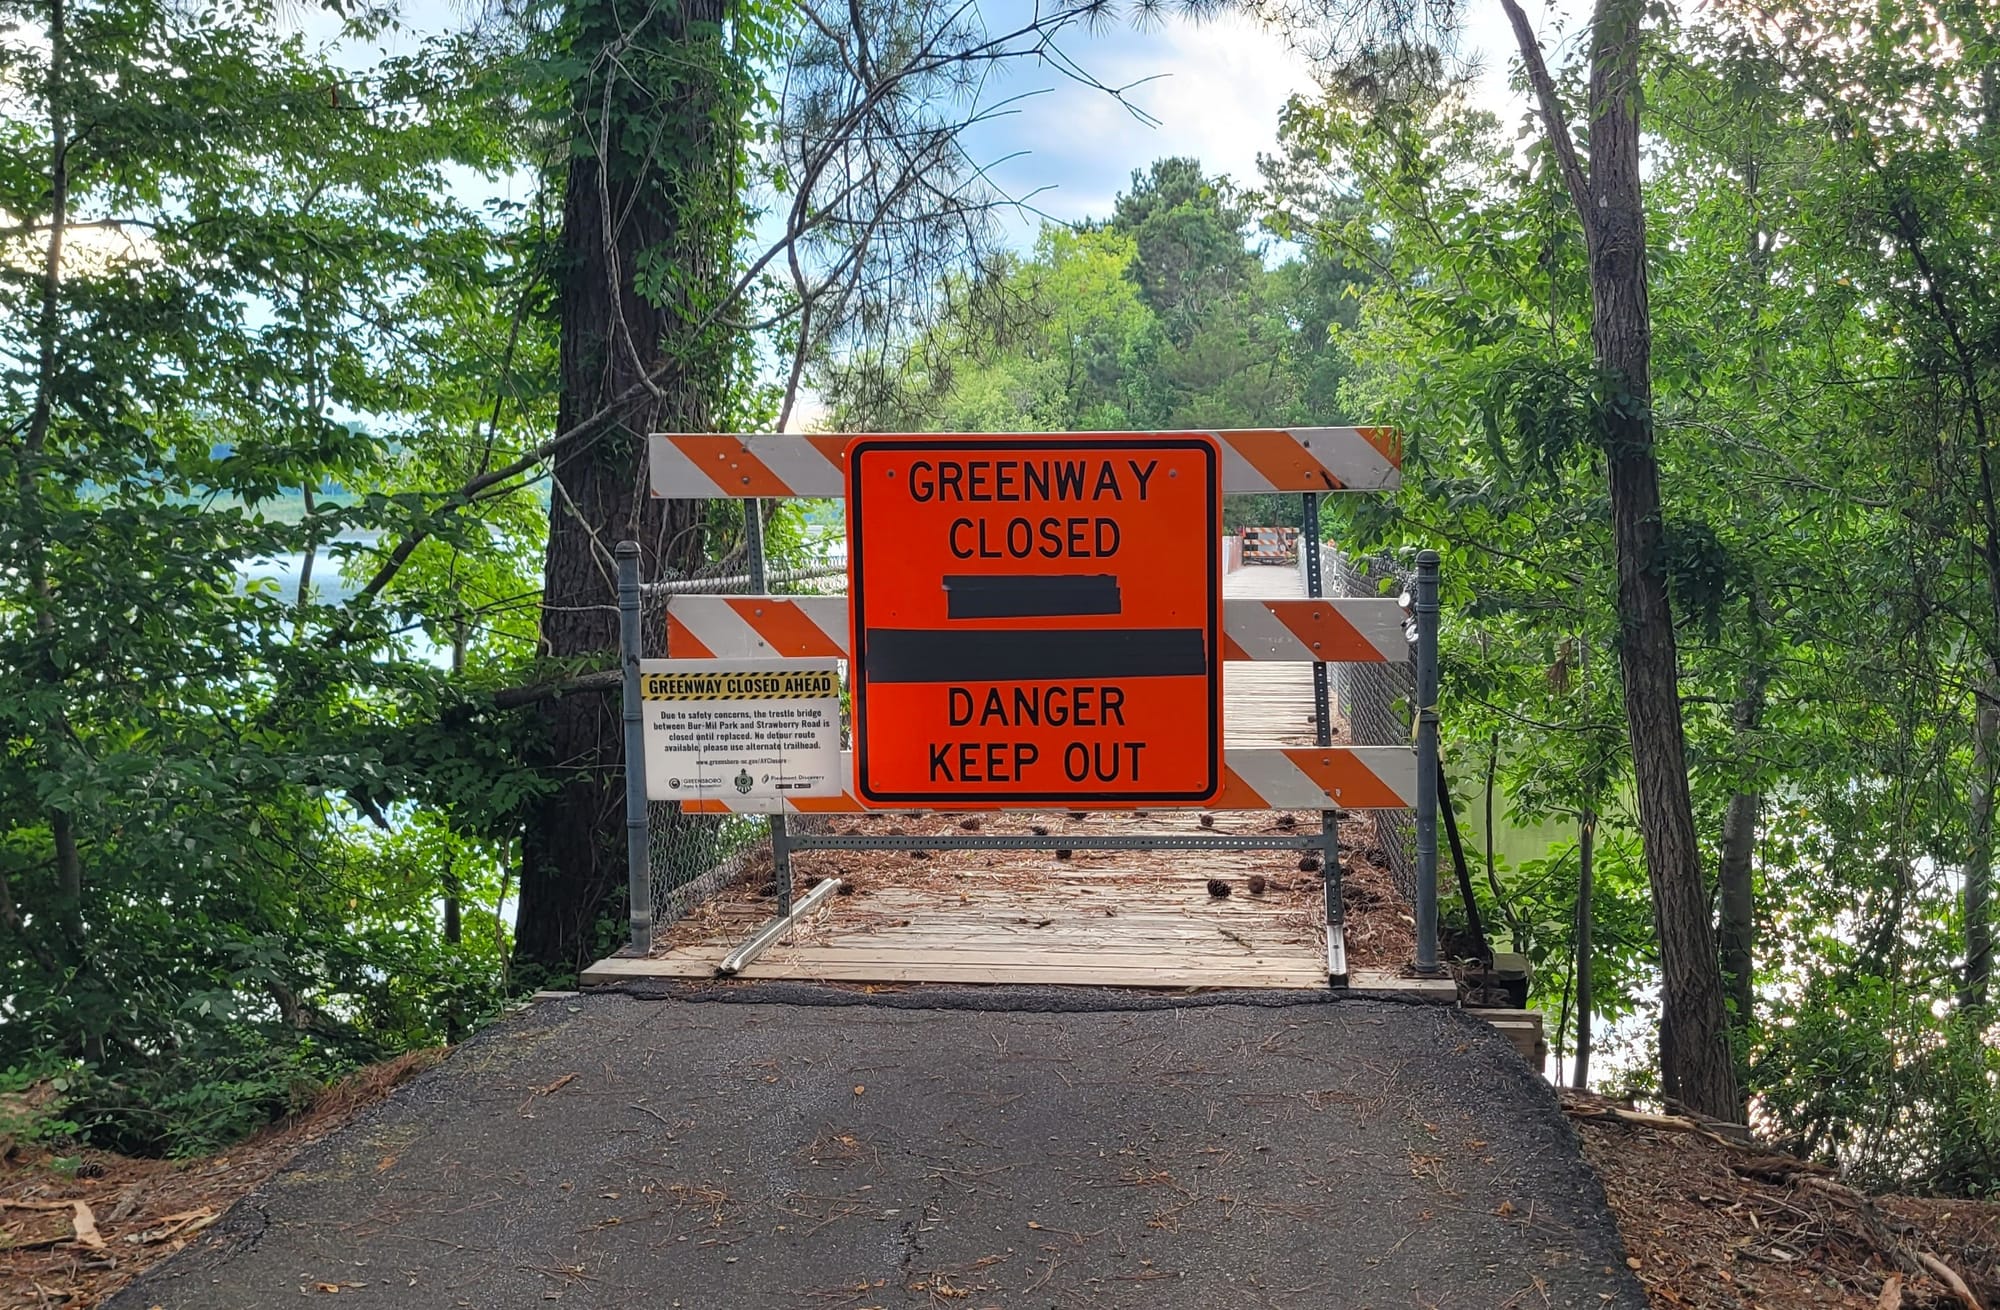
(1214, 87)
(1211, 89)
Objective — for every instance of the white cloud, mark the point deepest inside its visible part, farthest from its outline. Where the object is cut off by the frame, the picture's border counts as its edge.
(1215, 89)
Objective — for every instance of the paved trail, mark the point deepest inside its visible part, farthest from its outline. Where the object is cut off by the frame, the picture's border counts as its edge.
(789, 1146)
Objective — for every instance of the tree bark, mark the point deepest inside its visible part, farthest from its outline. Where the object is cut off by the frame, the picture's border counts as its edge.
(651, 187)
(1979, 853)
(1621, 335)
(1737, 925)
(1586, 891)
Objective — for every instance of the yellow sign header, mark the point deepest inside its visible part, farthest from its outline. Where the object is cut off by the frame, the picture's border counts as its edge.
(753, 684)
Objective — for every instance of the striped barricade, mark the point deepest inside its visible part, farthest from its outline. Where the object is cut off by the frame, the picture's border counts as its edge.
(1254, 778)
(1270, 545)
(1360, 631)
(705, 466)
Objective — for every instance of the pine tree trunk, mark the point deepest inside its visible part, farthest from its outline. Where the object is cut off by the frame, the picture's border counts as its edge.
(641, 359)
(1697, 1061)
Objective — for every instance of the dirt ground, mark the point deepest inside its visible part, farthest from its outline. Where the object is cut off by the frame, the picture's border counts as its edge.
(1712, 1226)
(77, 1226)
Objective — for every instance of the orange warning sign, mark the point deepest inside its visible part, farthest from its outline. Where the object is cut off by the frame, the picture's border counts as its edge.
(1036, 619)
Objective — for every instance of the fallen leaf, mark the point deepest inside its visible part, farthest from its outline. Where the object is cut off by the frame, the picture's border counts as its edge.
(388, 1163)
(1504, 1209)
(859, 1088)
(1892, 1294)
(85, 1224)
(1631, 1262)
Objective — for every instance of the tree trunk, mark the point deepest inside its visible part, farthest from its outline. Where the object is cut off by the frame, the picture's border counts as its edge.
(1697, 1061)
(1737, 933)
(1979, 853)
(1586, 858)
(652, 192)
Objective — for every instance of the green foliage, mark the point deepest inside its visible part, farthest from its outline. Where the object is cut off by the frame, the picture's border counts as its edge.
(1164, 317)
(1819, 387)
(231, 808)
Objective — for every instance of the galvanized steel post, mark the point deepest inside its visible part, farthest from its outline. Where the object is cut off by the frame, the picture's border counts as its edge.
(760, 581)
(1425, 603)
(638, 841)
(1329, 820)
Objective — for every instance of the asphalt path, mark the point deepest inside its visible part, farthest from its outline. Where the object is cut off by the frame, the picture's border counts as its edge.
(738, 1147)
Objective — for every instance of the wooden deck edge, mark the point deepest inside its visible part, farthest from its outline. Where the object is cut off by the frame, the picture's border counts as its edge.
(1521, 1028)
(1360, 982)
(1385, 982)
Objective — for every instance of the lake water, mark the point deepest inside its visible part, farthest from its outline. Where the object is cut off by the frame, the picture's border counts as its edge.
(329, 586)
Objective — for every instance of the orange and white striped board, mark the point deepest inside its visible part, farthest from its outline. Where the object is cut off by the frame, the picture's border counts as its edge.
(1254, 778)
(1269, 545)
(1337, 631)
(707, 466)
(1354, 631)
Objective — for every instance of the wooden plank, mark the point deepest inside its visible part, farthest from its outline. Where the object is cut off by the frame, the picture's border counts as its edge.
(813, 960)
(1382, 982)
(1168, 973)
(1309, 972)
(946, 937)
(1134, 955)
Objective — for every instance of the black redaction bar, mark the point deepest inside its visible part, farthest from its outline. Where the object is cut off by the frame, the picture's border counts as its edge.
(1029, 596)
(1034, 654)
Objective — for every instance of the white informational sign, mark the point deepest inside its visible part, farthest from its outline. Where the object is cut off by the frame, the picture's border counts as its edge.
(753, 732)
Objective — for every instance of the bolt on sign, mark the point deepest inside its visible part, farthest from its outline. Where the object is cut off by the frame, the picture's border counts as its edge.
(1035, 620)
(752, 732)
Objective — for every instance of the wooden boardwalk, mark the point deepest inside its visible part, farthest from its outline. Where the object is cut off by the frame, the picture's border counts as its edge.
(1125, 918)
(1266, 704)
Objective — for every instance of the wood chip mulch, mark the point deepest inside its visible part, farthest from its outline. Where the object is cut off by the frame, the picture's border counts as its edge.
(1715, 1224)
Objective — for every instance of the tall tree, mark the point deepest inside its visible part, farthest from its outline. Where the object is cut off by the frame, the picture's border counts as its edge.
(657, 126)
(1695, 1061)
(1605, 194)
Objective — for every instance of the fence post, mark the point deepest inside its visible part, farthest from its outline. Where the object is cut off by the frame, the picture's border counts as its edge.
(760, 581)
(1426, 606)
(1330, 871)
(638, 841)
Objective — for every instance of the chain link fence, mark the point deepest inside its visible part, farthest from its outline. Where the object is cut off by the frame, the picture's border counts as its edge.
(1377, 698)
(696, 855)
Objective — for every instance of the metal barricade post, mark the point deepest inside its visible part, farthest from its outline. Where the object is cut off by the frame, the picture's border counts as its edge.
(638, 838)
(1425, 605)
(1329, 820)
(760, 582)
